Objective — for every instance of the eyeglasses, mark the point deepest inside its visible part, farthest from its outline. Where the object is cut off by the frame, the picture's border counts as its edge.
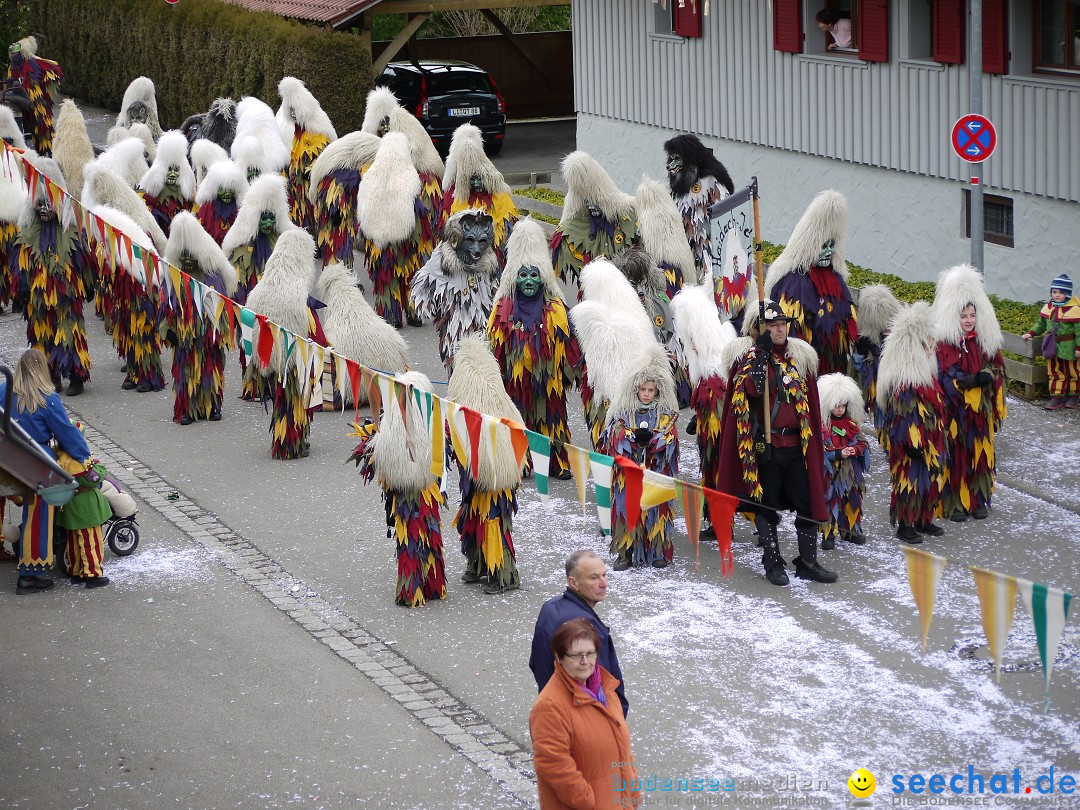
(582, 657)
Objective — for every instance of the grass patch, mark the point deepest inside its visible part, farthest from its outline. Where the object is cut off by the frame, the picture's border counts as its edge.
(543, 194)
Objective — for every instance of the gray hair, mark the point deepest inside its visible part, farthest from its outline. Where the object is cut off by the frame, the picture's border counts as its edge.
(575, 558)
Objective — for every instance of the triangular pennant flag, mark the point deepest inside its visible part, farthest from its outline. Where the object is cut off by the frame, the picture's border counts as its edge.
(540, 450)
(177, 281)
(1049, 610)
(247, 328)
(692, 499)
(265, 347)
(198, 292)
(374, 397)
(355, 377)
(721, 514)
(924, 573)
(474, 425)
(632, 486)
(997, 601)
(438, 435)
(459, 435)
(517, 439)
(656, 488)
(601, 473)
(288, 343)
(579, 466)
(341, 378)
(491, 427)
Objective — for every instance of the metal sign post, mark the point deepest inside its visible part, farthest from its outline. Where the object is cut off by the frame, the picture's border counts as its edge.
(975, 75)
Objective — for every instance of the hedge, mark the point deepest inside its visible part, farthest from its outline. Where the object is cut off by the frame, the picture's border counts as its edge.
(197, 50)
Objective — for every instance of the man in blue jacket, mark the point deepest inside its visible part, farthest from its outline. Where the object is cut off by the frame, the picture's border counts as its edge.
(586, 586)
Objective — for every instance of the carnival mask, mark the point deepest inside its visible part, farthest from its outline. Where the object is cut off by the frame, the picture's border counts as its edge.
(267, 221)
(824, 258)
(528, 281)
(137, 113)
(226, 196)
(477, 234)
(476, 183)
(252, 173)
(674, 164)
(384, 126)
(44, 209)
(13, 48)
(188, 263)
(172, 176)
(594, 210)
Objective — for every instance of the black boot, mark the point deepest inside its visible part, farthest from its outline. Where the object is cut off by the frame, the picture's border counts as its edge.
(75, 387)
(771, 560)
(806, 564)
(828, 542)
(930, 528)
(908, 534)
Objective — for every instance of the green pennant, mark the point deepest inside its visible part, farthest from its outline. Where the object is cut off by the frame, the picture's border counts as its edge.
(540, 448)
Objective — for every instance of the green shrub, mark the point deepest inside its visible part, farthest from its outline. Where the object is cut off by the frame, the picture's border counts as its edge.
(543, 194)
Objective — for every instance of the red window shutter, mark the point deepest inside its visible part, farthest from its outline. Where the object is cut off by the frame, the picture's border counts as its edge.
(787, 26)
(686, 17)
(995, 54)
(949, 18)
(874, 30)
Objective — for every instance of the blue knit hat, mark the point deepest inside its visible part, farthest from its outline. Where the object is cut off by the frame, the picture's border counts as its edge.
(1063, 283)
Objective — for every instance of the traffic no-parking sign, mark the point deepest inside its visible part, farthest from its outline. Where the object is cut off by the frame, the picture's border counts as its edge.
(974, 138)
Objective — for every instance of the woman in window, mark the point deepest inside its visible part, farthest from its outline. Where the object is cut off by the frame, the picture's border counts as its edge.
(839, 28)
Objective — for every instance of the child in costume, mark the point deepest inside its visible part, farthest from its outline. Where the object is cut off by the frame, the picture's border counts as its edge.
(140, 106)
(335, 181)
(877, 307)
(847, 458)
(972, 376)
(308, 131)
(40, 78)
(397, 451)
(83, 517)
(72, 149)
(1059, 327)
(168, 187)
(219, 197)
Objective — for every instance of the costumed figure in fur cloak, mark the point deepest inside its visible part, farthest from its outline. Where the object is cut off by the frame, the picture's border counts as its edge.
(809, 282)
(489, 484)
(10, 132)
(140, 106)
(49, 263)
(191, 128)
(282, 296)
(335, 180)
(641, 426)
(972, 376)
(219, 197)
(913, 405)
(137, 132)
(204, 154)
(530, 335)
(72, 149)
(383, 114)
(661, 231)
(219, 123)
(788, 473)
(847, 458)
(198, 365)
(40, 78)
(307, 128)
(262, 218)
(397, 452)
(457, 285)
(472, 181)
(704, 339)
(168, 187)
(12, 202)
(391, 215)
(257, 145)
(597, 220)
(877, 307)
(127, 159)
(698, 181)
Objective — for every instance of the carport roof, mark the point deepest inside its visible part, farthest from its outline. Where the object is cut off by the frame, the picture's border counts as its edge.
(333, 12)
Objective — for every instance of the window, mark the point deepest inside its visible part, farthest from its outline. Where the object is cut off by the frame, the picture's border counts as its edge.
(857, 28)
(997, 219)
(920, 30)
(1057, 35)
(676, 18)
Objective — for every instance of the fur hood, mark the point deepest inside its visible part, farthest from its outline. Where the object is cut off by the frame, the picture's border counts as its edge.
(353, 151)
(204, 154)
(825, 218)
(141, 89)
(609, 340)
(587, 182)
(122, 222)
(185, 233)
(267, 193)
(467, 159)
(256, 120)
(907, 358)
(282, 292)
(381, 101)
(799, 352)
(12, 191)
(139, 132)
(28, 46)
(47, 167)
(401, 449)
(877, 307)
(702, 333)
(102, 187)
(127, 159)
(839, 389)
(353, 328)
(386, 199)
(477, 383)
(9, 128)
(692, 150)
(958, 287)
(72, 149)
(299, 106)
(528, 247)
(219, 123)
(425, 156)
(172, 151)
(661, 228)
(648, 364)
(221, 175)
(603, 282)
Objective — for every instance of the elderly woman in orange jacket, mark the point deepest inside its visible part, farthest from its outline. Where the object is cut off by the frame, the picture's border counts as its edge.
(581, 743)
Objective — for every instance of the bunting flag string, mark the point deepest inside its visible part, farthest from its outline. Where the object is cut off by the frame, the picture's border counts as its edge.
(602, 468)
(517, 439)
(356, 378)
(579, 467)
(924, 573)
(692, 499)
(633, 478)
(997, 601)
(474, 424)
(1049, 610)
(540, 450)
(265, 346)
(722, 515)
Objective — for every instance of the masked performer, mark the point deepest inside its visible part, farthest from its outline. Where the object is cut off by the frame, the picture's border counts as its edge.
(205, 154)
(307, 129)
(169, 186)
(877, 307)
(140, 106)
(262, 218)
(972, 376)
(398, 453)
(12, 203)
(219, 123)
(198, 366)
(532, 341)
(257, 146)
(597, 219)
(72, 149)
(698, 181)
(661, 231)
(335, 180)
(218, 199)
(847, 458)
(457, 285)
(40, 78)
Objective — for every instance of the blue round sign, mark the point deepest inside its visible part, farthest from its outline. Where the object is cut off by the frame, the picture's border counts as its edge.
(974, 138)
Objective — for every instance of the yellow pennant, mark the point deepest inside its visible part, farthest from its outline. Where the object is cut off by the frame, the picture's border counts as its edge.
(924, 574)
(656, 489)
(579, 466)
(997, 601)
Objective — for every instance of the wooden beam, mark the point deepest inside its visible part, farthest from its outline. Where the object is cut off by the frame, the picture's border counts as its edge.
(406, 33)
(500, 26)
(366, 20)
(429, 6)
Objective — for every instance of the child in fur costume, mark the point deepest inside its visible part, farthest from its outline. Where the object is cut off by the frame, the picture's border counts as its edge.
(398, 453)
(642, 427)
(532, 340)
(597, 220)
(12, 202)
(910, 398)
(72, 149)
(488, 496)
(847, 458)
(698, 181)
(218, 199)
(661, 229)
(308, 130)
(972, 376)
(335, 180)
(1059, 321)
(40, 78)
(168, 187)
(198, 366)
(877, 307)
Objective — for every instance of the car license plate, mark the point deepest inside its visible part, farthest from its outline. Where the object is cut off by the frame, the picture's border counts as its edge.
(462, 112)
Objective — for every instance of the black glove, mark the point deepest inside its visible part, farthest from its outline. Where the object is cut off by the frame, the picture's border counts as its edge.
(170, 337)
(90, 295)
(966, 382)
(984, 378)
(691, 426)
(642, 436)
(913, 452)
(864, 346)
(764, 343)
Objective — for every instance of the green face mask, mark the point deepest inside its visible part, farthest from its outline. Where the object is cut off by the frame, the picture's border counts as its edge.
(267, 221)
(528, 281)
(172, 176)
(226, 196)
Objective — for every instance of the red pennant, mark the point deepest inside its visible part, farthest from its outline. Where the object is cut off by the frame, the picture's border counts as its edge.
(355, 376)
(374, 395)
(518, 438)
(721, 513)
(265, 349)
(474, 424)
(634, 476)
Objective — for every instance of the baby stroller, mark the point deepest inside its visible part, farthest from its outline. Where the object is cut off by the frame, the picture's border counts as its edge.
(121, 530)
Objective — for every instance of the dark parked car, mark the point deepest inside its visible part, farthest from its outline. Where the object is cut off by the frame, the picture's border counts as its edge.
(445, 94)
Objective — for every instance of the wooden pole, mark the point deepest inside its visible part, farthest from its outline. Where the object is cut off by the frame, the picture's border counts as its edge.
(759, 271)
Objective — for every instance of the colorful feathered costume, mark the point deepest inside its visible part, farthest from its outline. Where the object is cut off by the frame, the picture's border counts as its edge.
(307, 129)
(391, 213)
(843, 473)
(877, 307)
(72, 149)
(661, 230)
(198, 340)
(457, 285)
(398, 453)
(645, 433)
(168, 187)
(698, 181)
(532, 340)
(218, 199)
(972, 376)
(12, 203)
(597, 220)
(262, 218)
(40, 78)
(335, 180)
(809, 281)
(489, 483)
